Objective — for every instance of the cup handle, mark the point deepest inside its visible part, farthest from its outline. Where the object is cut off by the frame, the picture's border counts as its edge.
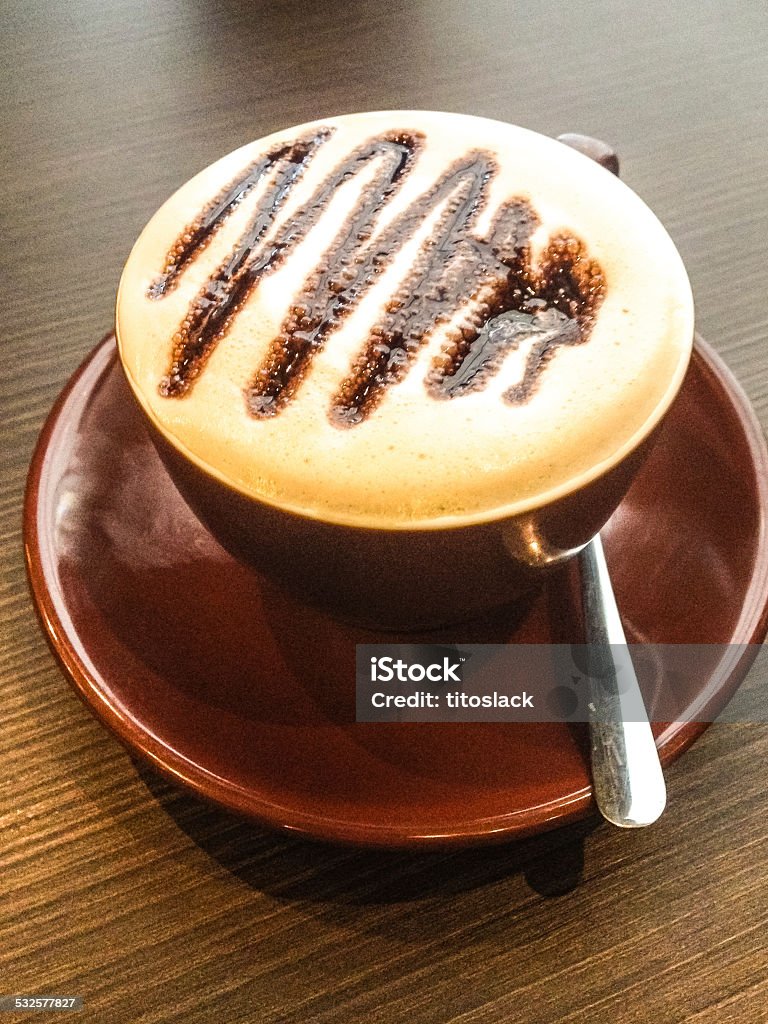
(596, 150)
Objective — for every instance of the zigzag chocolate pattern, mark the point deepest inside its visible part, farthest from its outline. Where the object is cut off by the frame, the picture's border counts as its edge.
(504, 300)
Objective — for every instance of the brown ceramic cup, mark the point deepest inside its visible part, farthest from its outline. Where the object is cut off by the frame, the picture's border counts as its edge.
(418, 575)
(401, 579)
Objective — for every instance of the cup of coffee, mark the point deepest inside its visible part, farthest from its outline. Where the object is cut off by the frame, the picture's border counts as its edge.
(404, 362)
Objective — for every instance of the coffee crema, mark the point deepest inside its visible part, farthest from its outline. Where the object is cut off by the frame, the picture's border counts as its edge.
(404, 317)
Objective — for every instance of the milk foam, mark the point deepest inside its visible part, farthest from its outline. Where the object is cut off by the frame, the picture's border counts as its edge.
(413, 458)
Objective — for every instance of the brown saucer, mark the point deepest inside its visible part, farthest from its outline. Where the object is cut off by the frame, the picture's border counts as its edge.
(198, 664)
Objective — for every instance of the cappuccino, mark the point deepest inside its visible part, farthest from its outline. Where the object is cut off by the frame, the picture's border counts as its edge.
(404, 319)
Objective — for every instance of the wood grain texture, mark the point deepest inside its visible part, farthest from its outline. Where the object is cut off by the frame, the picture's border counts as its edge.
(154, 907)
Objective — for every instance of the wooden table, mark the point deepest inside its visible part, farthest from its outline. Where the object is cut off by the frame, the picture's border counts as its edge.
(154, 907)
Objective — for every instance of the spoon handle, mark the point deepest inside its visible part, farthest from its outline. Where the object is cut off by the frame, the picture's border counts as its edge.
(626, 772)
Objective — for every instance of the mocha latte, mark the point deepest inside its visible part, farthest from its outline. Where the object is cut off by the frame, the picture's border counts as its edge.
(402, 319)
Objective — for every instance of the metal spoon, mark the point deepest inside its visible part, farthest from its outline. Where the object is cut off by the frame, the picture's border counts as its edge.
(626, 772)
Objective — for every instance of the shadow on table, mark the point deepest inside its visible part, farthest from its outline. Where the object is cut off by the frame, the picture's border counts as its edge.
(291, 868)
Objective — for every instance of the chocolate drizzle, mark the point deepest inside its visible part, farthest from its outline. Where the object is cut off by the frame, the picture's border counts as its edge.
(546, 306)
(348, 269)
(489, 290)
(254, 255)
